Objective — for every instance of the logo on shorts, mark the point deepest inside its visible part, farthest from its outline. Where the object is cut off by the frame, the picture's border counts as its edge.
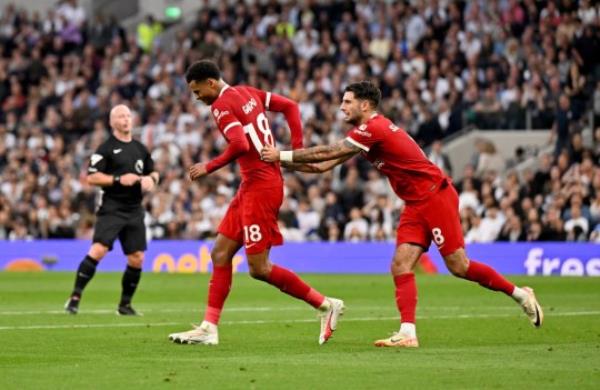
(139, 166)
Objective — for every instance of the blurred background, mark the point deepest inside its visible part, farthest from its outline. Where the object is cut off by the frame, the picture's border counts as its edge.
(503, 95)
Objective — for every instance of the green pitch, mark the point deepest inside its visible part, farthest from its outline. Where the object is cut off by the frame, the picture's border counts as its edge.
(470, 337)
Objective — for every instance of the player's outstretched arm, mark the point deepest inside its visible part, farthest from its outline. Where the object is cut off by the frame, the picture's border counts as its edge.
(314, 167)
(320, 153)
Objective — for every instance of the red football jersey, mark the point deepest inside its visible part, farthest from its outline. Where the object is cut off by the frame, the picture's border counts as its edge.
(245, 107)
(393, 152)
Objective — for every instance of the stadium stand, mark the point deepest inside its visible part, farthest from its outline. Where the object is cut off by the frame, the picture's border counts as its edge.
(442, 66)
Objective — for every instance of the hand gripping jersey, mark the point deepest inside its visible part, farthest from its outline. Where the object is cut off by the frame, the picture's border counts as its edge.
(395, 154)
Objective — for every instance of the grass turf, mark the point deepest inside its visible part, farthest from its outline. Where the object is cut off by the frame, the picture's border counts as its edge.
(470, 337)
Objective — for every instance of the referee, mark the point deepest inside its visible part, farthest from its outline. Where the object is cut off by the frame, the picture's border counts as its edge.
(124, 170)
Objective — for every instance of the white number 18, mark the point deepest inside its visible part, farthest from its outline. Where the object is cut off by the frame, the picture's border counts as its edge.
(263, 126)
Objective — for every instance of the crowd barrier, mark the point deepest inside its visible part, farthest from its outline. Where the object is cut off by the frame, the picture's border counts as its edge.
(547, 259)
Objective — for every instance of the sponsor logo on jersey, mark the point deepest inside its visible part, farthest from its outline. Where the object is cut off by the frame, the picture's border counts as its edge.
(362, 132)
(96, 158)
(221, 115)
(248, 107)
(139, 166)
(362, 127)
(394, 127)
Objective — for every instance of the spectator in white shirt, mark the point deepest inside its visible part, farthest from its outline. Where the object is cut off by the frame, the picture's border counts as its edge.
(358, 228)
(308, 220)
(576, 220)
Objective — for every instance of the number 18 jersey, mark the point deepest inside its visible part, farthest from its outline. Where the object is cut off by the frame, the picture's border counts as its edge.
(245, 106)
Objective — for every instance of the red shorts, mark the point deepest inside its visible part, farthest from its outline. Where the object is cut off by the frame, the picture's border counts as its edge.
(251, 219)
(434, 219)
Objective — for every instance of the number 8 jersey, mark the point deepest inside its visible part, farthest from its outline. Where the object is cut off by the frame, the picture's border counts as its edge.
(240, 112)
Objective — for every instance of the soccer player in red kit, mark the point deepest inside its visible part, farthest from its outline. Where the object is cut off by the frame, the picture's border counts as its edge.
(251, 219)
(431, 212)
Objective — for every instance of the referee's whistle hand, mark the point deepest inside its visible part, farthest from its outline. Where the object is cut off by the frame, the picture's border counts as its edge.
(129, 179)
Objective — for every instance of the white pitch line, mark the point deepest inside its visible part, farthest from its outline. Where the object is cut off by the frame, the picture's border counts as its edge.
(262, 322)
(233, 309)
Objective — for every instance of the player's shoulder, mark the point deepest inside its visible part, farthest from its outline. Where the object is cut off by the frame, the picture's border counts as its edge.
(228, 96)
(380, 122)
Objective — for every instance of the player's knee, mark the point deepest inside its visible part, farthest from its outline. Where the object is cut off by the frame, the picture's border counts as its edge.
(400, 267)
(135, 259)
(259, 270)
(98, 251)
(219, 256)
(457, 265)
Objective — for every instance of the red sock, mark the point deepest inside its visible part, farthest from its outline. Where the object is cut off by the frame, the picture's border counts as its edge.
(487, 277)
(406, 296)
(291, 284)
(218, 289)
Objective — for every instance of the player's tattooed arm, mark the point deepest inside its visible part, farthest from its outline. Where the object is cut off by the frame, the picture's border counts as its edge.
(314, 167)
(320, 153)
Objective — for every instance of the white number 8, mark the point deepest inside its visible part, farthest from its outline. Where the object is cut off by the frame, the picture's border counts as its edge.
(438, 238)
(252, 233)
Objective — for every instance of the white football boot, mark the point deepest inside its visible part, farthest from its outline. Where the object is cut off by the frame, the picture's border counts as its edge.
(532, 308)
(206, 334)
(329, 319)
(400, 340)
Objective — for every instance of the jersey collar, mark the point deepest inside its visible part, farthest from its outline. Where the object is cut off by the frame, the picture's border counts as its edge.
(226, 87)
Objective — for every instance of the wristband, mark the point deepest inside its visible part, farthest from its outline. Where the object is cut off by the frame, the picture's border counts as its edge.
(116, 179)
(286, 155)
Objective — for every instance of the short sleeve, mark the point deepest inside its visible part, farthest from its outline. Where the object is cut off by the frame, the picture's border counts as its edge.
(98, 161)
(148, 162)
(263, 96)
(362, 137)
(225, 119)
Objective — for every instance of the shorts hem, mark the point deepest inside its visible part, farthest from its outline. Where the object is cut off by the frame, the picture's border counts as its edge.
(444, 252)
(419, 244)
(109, 246)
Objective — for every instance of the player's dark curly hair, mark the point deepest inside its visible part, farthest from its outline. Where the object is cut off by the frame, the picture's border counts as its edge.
(202, 70)
(365, 90)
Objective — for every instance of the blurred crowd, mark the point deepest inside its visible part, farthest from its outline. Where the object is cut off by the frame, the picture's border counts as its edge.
(441, 65)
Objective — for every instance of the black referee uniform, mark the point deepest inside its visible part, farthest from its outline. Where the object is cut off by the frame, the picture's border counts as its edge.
(120, 213)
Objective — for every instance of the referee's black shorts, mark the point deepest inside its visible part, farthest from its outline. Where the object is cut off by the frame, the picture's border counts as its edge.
(128, 226)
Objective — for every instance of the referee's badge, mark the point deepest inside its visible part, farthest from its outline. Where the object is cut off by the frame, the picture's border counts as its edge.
(139, 166)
